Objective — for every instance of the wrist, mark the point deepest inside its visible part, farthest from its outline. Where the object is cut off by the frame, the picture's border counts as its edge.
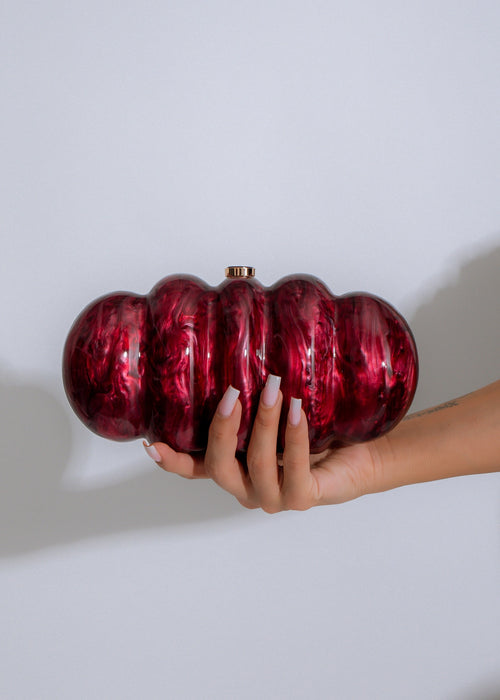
(460, 437)
(382, 460)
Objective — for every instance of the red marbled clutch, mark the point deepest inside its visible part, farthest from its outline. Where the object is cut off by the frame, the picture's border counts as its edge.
(157, 365)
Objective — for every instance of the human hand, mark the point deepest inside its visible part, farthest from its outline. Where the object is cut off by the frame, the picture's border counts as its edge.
(298, 481)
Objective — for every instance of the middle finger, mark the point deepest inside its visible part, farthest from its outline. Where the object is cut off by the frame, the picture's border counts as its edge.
(261, 454)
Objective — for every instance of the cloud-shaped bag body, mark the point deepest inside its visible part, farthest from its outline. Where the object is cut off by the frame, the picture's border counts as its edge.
(156, 365)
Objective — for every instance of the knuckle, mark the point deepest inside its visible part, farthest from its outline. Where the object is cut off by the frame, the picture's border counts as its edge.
(213, 469)
(217, 431)
(265, 419)
(255, 462)
(293, 461)
(260, 463)
(271, 508)
(247, 504)
(294, 439)
(295, 501)
(218, 468)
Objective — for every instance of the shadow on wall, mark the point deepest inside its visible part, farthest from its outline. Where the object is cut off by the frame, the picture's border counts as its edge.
(458, 336)
(457, 330)
(490, 691)
(36, 511)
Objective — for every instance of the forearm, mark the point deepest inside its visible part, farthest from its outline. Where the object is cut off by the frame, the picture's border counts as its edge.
(459, 437)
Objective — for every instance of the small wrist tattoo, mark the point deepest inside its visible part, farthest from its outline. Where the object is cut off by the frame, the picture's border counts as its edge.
(435, 409)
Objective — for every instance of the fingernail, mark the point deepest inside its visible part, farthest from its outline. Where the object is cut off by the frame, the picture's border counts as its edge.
(152, 452)
(270, 393)
(294, 412)
(228, 401)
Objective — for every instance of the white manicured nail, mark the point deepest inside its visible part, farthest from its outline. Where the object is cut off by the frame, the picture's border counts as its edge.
(152, 452)
(270, 393)
(228, 401)
(294, 412)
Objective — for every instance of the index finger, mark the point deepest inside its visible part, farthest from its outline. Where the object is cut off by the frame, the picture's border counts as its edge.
(220, 458)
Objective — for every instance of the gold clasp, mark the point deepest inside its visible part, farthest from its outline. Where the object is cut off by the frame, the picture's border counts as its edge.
(240, 271)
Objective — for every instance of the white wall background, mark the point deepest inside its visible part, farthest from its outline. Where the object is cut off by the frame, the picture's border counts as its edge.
(357, 141)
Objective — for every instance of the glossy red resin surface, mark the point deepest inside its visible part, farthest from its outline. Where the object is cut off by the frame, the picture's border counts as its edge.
(157, 365)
